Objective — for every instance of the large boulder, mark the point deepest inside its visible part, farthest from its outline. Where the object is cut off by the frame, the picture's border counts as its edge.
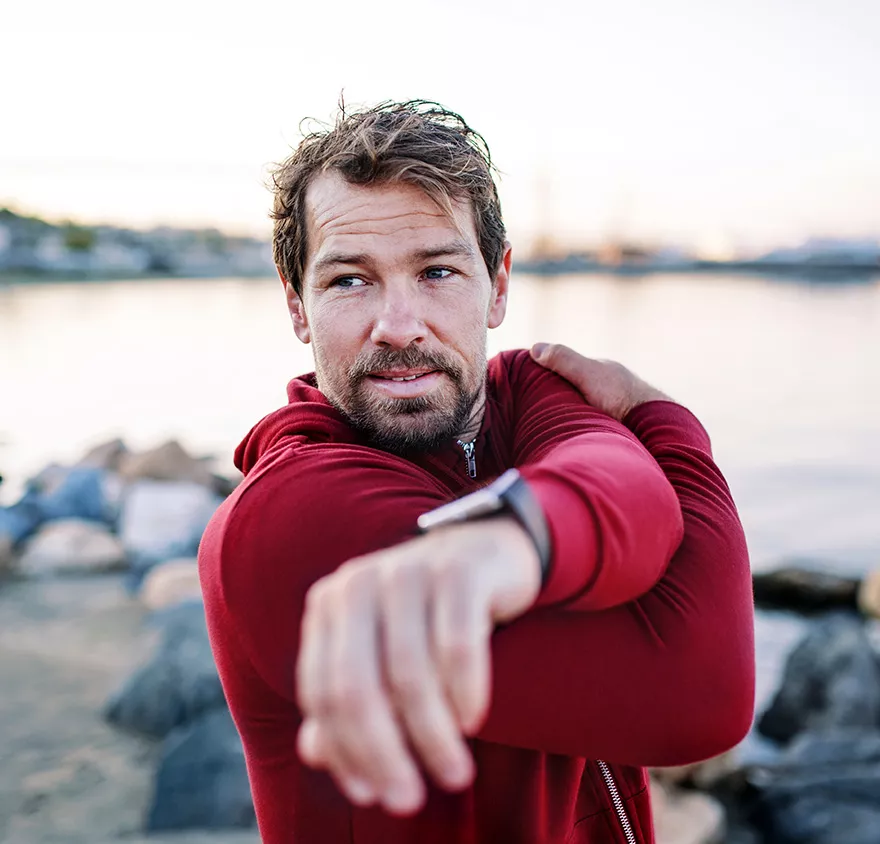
(202, 780)
(170, 583)
(167, 462)
(831, 679)
(19, 521)
(106, 456)
(804, 590)
(163, 520)
(825, 790)
(71, 546)
(178, 684)
(82, 493)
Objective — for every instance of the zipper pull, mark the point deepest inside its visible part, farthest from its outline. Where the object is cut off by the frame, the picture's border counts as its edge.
(470, 457)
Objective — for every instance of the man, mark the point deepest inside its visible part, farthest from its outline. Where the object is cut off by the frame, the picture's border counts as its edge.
(507, 675)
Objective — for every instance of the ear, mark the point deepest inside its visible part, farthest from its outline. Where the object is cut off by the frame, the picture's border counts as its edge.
(500, 288)
(297, 310)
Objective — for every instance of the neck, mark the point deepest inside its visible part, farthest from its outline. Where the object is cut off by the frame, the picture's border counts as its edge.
(474, 420)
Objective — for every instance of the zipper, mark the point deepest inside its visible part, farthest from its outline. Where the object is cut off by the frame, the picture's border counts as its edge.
(618, 803)
(470, 457)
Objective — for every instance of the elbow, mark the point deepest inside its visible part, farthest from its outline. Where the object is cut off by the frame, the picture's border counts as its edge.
(717, 712)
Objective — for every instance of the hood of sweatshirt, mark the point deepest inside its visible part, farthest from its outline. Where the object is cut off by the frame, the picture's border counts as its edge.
(308, 414)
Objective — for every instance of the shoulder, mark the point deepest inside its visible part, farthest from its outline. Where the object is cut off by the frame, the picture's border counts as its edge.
(516, 384)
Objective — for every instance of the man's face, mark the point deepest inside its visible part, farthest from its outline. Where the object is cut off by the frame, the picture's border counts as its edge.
(396, 300)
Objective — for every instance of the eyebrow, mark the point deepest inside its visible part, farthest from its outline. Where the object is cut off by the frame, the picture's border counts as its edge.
(455, 248)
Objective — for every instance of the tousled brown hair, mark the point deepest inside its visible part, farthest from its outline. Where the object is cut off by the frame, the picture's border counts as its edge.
(417, 142)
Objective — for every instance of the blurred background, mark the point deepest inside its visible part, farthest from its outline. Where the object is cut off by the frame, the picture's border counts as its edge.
(690, 188)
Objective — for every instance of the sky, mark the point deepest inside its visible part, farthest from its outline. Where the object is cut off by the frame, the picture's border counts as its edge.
(728, 124)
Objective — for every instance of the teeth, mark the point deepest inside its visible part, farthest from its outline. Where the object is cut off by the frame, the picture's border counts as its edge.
(405, 378)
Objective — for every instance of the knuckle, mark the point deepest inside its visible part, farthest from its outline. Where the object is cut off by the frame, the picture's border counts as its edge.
(316, 594)
(350, 699)
(408, 689)
(456, 649)
(452, 575)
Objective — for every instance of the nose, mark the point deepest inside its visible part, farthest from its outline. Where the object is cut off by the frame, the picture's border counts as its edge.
(399, 322)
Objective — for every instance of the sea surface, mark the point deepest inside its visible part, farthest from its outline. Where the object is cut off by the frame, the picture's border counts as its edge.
(784, 375)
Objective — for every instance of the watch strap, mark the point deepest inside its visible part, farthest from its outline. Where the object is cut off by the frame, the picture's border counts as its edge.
(511, 493)
(525, 507)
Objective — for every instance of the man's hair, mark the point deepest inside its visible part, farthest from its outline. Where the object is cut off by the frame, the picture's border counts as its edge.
(417, 142)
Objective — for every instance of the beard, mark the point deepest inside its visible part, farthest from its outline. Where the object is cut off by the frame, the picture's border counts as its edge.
(406, 425)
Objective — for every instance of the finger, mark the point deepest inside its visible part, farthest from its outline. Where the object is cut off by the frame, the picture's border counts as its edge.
(312, 687)
(461, 628)
(315, 743)
(568, 363)
(368, 742)
(410, 674)
(315, 748)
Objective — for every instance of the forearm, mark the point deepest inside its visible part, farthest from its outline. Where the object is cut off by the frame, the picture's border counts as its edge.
(664, 680)
(614, 519)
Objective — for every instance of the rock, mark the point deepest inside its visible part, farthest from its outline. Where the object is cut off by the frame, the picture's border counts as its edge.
(703, 775)
(170, 583)
(163, 520)
(224, 485)
(60, 493)
(81, 495)
(107, 456)
(202, 780)
(804, 590)
(6, 556)
(20, 520)
(167, 462)
(179, 683)
(825, 790)
(868, 598)
(48, 479)
(72, 546)
(686, 817)
(831, 679)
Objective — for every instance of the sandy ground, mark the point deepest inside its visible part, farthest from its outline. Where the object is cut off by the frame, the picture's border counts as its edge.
(65, 776)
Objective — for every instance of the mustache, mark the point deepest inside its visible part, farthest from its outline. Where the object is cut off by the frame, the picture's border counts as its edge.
(408, 358)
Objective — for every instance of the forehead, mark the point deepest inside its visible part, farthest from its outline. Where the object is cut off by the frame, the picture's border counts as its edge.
(379, 219)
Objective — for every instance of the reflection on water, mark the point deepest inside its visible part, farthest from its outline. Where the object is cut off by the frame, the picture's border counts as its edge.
(786, 378)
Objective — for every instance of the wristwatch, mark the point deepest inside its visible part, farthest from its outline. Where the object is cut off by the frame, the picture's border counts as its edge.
(507, 494)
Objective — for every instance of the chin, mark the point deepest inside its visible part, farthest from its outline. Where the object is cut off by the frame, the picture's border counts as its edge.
(413, 432)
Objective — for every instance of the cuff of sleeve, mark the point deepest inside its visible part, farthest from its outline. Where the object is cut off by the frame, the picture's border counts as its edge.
(656, 422)
(570, 535)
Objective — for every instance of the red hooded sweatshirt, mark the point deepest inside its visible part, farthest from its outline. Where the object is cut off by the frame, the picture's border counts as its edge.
(638, 652)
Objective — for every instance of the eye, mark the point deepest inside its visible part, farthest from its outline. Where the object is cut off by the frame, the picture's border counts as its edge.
(437, 273)
(347, 282)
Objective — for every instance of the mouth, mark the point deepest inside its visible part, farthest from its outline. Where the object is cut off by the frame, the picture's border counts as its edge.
(405, 383)
(402, 375)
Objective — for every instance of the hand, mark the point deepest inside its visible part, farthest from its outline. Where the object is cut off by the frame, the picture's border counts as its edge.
(395, 661)
(606, 385)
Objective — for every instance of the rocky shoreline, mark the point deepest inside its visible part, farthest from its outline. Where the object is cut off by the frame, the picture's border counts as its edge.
(115, 726)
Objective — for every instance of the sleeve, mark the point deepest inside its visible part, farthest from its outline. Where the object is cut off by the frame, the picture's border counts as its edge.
(667, 679)
(297, 523)
(614, 518)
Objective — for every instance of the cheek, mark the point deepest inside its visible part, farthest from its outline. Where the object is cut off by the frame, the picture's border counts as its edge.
(338, 332)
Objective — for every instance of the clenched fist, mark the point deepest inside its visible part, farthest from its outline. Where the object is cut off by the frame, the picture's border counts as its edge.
(395, 655)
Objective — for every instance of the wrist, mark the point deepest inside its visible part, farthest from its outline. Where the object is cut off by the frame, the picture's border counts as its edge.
(509, 495)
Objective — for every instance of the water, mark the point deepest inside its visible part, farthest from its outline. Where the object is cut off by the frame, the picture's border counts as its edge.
(785, 376)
